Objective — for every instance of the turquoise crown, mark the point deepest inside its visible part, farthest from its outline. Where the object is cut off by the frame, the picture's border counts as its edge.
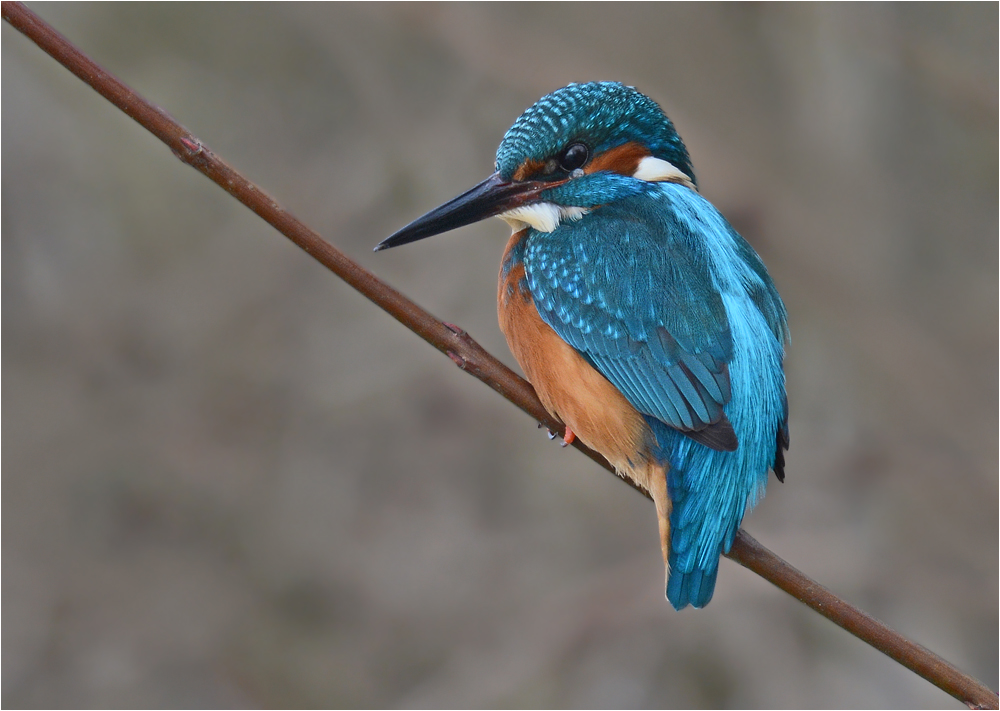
(601, 115)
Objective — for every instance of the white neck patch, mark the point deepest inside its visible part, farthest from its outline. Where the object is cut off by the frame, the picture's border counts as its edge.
(543, 216)
(546, 216)
(655, 170)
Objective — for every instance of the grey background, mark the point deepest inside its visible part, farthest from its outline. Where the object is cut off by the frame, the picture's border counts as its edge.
(228, 480)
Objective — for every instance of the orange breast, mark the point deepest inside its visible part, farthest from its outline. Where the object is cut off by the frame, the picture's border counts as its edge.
(568, 386)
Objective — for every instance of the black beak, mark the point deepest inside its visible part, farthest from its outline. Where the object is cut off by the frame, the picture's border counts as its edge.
(491, 197)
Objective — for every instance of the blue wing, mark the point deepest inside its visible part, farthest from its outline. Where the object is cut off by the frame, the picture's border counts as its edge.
(630, 288)
(664, 299)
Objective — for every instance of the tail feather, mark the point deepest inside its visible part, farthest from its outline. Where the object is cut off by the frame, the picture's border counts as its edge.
(691, 578)
(695, 588)
(709, 492)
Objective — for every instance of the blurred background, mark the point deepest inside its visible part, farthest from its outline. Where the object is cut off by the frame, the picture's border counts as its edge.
(229, 480)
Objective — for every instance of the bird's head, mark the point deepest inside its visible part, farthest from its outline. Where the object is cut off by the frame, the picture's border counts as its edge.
(578, 148)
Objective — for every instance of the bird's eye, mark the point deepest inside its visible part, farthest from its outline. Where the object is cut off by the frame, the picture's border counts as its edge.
(575, 156)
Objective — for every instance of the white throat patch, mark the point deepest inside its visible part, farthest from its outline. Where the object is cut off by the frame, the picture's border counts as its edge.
(546, 216)
(543, 216)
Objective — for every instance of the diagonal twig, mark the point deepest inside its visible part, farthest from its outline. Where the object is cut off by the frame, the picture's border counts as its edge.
(470, 356)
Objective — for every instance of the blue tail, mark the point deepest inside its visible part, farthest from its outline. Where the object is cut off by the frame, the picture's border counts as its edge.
(709, 493)
(694, 565)
(694, 588)
(711, 489)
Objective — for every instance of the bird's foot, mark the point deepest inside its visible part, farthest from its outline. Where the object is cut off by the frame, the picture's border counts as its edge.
(567, 439)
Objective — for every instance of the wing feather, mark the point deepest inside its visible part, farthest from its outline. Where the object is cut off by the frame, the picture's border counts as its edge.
(630, 288)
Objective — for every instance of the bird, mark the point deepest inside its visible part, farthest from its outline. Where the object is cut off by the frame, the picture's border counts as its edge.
(644, 321)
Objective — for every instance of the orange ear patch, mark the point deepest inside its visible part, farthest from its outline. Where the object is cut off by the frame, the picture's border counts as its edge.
(623, 159)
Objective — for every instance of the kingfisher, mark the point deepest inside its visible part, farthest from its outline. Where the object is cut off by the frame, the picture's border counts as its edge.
(644, 321)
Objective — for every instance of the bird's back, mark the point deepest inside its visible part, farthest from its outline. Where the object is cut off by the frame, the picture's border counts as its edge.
(670, 305)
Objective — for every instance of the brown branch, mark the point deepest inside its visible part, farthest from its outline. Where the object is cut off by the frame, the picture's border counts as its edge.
(469, 355)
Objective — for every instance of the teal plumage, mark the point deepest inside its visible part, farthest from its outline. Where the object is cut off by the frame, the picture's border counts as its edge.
(602, 114)
(699, 334)
(651, 287)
